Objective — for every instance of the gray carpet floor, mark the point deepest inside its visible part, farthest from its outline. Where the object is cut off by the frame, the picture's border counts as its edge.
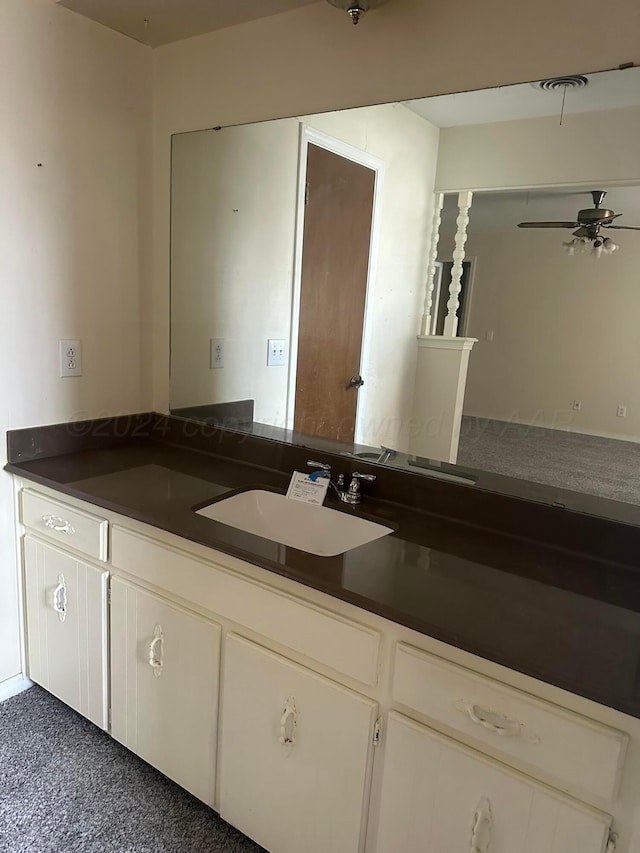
(66, 786)
(591, 464)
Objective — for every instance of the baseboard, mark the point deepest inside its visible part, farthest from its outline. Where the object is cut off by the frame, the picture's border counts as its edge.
(634, 439)
(12, 686)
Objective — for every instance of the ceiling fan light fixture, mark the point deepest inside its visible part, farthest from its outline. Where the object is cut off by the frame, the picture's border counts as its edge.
(355, 9)
(595, 246)
(590, 224)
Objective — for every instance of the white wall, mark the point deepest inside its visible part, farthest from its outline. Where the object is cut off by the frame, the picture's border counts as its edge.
(74, 97)
(564, 328)
(600, 148)
(311, 59)
(233, 226)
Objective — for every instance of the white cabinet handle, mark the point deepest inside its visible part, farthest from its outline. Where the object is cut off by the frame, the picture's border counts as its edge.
(482, 823)
(59, 525)
(156, 651)
(60, 598)
(495, 722)
(288, 723)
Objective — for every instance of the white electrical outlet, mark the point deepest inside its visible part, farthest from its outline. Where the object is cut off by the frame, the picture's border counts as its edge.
(70, 358)
(216, 353)
(621, 412)
(488, 335)
(276, 353)
(577, 405)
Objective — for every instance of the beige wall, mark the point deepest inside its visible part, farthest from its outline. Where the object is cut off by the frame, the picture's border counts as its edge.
(74, 97)
(233, 228)
(563, 326)
(564, 329)
(310, 60)
(600, 148)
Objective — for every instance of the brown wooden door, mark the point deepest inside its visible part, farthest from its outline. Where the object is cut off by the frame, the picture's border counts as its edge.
(335, 264)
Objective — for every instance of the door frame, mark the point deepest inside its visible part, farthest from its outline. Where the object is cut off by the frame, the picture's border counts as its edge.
(350, 152)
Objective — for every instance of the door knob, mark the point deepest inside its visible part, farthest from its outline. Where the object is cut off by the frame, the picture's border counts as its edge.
(355, 382)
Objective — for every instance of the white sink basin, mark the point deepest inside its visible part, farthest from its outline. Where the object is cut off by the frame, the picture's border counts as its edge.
(307, 527)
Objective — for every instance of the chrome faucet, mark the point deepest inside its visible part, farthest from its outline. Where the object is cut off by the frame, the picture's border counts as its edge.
(351, 495)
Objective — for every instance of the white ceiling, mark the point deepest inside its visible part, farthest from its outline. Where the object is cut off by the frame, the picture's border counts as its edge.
(156, 22)
(605, 91)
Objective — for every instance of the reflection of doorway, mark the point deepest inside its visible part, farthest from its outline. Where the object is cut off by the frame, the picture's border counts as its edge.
(441, 297)
(335, 244)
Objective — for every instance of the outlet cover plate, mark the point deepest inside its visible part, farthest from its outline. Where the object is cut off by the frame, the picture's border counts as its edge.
(216, 353)
(70, 357)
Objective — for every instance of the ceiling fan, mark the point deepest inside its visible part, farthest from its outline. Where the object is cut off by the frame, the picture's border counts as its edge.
(588, 225)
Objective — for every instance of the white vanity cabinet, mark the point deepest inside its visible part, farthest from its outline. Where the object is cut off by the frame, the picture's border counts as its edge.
(295, 754)
(440, 797)
(164, 686)
(309, 723)
(66, 614)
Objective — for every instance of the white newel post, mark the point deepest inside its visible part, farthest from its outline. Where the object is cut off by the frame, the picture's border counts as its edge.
(451, 320)
(438, 201)
(441, 379)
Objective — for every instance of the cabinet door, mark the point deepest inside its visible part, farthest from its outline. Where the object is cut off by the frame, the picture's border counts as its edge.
(440, 797)
(164, 686)
(295, 753)
(66, 609)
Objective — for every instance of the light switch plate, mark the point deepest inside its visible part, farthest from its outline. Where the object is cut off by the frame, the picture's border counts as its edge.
(277, 352)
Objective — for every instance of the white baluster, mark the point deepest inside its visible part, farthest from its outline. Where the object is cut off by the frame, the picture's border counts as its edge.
(451, 321)
(438, 201)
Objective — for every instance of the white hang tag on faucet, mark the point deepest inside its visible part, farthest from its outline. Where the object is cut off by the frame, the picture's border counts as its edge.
(303, 488)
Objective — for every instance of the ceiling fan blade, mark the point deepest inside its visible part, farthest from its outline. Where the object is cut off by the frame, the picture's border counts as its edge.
(623, 227)
(581, 232)
(548, 224)
(606, 219)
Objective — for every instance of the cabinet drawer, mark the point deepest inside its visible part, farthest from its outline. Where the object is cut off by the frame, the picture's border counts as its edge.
(65, 525)
(570, 751)
(318, 634)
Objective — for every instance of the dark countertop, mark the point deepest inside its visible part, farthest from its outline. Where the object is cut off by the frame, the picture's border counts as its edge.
(557, 615)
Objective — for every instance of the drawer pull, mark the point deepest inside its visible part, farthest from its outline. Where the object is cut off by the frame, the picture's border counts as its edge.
(496, 722)
(59, 525)
(482, 823)
(60, 598)
(288, 723)
(156, 651)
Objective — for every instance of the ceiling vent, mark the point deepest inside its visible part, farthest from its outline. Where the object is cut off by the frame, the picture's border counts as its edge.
(571, 81)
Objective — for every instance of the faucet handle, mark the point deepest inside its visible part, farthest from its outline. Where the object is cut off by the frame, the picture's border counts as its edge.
(321, 465)
(352, 495)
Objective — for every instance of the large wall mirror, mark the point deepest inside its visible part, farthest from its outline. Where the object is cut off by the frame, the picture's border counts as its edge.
(357, 281)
